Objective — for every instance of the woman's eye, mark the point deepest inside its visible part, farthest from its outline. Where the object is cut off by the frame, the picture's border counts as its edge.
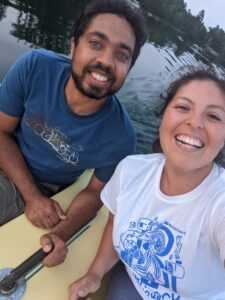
(95, 45)
(182, 108)
(214, 117)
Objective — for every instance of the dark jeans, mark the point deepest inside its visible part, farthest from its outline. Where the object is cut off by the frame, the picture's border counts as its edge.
(121, 286)
(11, 201)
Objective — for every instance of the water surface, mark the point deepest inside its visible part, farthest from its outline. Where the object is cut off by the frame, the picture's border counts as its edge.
(49, 24)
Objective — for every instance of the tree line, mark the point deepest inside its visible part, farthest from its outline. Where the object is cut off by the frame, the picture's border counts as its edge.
(190, 27)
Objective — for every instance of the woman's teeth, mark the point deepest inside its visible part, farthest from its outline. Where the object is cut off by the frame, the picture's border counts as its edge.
(189, 141)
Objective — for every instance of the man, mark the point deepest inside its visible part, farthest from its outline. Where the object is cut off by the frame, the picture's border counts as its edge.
(60, 117)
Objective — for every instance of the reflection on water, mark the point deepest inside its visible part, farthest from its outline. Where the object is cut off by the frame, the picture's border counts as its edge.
(49, 24)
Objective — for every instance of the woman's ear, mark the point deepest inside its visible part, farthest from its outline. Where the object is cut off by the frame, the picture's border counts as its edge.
(159, 127)
(156, 147)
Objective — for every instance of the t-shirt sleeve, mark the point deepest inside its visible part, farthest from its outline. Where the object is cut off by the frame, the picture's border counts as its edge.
(105, 173)
(218, 228)
(110, 193)
(128, 148)
(13, 87)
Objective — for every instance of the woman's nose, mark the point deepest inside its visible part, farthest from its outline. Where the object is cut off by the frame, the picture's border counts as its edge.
(195, 120)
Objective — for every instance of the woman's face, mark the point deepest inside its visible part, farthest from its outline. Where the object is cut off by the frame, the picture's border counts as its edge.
(192, 131)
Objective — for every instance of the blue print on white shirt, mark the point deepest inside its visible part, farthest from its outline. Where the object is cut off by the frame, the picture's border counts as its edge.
(153, 250)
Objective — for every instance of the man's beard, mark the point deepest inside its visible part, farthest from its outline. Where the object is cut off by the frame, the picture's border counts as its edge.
(93, 91)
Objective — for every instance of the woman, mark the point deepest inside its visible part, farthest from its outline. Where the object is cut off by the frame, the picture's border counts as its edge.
(167, 211)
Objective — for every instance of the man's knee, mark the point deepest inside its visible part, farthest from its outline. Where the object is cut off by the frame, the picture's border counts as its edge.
(11, 203)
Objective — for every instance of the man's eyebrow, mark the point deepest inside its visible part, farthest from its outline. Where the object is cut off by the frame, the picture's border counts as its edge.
(126, 47)
(104, 37)
(99, 34)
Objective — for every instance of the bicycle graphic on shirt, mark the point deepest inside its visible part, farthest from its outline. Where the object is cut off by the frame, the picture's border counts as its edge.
(59, 142)
(153, 252)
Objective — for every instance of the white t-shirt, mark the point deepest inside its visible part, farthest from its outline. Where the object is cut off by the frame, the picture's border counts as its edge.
(173, 246)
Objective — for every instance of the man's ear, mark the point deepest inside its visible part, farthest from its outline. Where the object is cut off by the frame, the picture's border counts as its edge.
(72, 48)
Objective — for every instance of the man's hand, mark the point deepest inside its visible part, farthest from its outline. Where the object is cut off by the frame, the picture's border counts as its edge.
(81, 288)
(81, 209)
(58, 254)
(43, 212)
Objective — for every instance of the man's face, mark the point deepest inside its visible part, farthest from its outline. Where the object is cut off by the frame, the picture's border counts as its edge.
(103, 55)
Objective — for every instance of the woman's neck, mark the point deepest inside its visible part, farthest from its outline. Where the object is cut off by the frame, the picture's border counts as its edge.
(175, 182)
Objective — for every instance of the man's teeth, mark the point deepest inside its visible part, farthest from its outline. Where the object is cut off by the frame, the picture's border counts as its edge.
(99, 77)
(189, 141)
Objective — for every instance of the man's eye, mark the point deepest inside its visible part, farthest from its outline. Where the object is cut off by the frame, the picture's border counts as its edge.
(95, 45)
(122, 56)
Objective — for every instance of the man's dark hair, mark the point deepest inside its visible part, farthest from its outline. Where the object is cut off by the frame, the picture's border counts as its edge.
(121, 8)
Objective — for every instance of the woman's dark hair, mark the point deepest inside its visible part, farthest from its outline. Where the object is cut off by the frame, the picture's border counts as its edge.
(187, 78)
(121, 8)
(182, 81)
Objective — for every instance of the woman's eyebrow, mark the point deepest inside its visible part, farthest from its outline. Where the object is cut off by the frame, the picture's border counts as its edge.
(208, 106)
(184, 98)
(216, 106)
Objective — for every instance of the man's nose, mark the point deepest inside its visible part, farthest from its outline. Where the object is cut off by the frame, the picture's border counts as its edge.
(106, 58)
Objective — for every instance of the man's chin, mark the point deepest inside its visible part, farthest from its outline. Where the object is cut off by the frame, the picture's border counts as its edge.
(97, 93)
(97, 97)
(92, 91)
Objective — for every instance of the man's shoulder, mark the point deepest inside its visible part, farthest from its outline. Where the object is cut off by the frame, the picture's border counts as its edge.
(122, 117)
(43, 56)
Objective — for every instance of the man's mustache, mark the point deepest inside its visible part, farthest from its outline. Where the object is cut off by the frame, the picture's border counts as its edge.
(99, 67)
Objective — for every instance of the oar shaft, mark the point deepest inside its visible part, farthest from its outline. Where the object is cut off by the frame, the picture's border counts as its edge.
(9, 281)
(37, 257)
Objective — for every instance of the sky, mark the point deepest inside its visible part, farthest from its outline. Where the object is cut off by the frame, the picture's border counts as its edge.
(214, 11)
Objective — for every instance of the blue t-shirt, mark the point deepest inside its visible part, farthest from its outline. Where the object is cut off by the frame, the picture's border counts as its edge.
(58, 145)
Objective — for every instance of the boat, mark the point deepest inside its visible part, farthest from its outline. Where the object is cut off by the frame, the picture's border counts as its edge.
(20, 239)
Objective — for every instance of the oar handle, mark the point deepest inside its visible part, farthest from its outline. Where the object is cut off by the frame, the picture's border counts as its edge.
(8, 284)
(29, 263)
(37, 257)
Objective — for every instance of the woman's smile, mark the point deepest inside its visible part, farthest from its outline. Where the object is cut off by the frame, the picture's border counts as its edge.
(192, 131)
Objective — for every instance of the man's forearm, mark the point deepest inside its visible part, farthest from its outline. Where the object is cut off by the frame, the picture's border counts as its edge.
(82, 208)
(12, 163)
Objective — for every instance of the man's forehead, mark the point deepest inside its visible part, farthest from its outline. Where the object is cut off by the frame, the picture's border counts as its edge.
(111, 26)
(109, 21)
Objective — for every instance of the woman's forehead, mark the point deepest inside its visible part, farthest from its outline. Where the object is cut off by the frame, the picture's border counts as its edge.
(201, 88)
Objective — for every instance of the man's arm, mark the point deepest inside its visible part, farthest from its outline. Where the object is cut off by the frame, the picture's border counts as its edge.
(81, 209)
(40, 210)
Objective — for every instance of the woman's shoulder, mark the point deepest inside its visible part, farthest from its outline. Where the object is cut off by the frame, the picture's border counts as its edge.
(219, 177)
(142, 162)
(216, 187)
(147, 158)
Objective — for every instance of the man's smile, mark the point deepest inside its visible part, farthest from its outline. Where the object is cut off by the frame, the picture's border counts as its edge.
(99, 78)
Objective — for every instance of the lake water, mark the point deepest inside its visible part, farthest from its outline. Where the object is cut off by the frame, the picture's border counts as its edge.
(48, 24)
